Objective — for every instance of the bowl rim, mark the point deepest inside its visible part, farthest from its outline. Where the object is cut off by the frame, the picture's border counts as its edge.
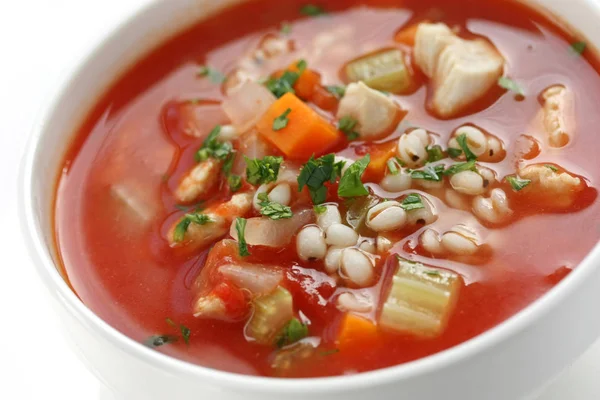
(52, 279)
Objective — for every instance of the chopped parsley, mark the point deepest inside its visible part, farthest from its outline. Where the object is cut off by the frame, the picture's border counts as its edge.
(330, 352)
(551, 167)
(293, 332)
(435, 153)
(184, 330)
(259, 171)
(282, 121)
(412, 202)
(510, 84)
(429, 173)
(311, 10)
(285, 83)
(336, 90)
(315, 173)
(433, 273)
(183, 225)
(240, 227)
(160, 340)
(234, 181)
(213, 148)
(461, 167)
(286, 28)
(454, 152)
(462, 142)
(517, 183)
(578, 47)
(347, 125)
(320, 209)
(351, 184)
(393, 166)
(273, 210)
(211, 73)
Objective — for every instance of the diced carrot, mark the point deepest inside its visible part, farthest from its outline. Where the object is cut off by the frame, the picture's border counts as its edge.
(306, 132)
(380, 154)
(307, 82)
(324, 100)
(355, 330)
(407, 35)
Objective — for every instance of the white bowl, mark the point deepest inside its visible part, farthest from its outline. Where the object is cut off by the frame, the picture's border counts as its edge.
(510, 361)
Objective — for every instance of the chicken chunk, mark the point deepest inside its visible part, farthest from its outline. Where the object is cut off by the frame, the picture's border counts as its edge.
(220, 218)
(200, 179)
(556, 104)
(551, 186)
(376, 114)
(461, 71)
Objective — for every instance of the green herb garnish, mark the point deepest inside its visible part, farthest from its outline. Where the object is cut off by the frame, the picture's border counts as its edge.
(454, 153)
(293, 332)
(330, 352)
(234, 182)
(336, 90)
(240, 227)
(273, 210)
(510, 84)
(315, 173)
(320, 209)
(429, 173)
(435, 153)
(213, 148)
(517, 183)
(212, 74)
(184, 330)
(160, 340)
(351, 184)
(286, 28)
(281, 122)
(183, 225)
(460, 167)
(347, 125)
(259, 171)
(578, 47)
(462, 142)
(412, 202)
(393, 166)
(311, 10)
(551, 167)
(285, 84)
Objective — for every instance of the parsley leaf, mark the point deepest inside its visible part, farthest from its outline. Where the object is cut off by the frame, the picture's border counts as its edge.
(183, 225)
(213, 148)
(240, 227)
(462, 142)
(315, 173)
(234, 182)
(184, 330)
(578, 47)
(273, 210)
(351, 184)
(435, 153)
(320, 209)
(460, 167)
(286, 28)
(285, 83)
(160, 340)
(510, 84)
(453, 152)
(293, 332)
(517, 183)
(281, 122)
(429, 173)
(259, 171)
(337, 91)
(551, 167)
(393, 166)
(347, 125)
(212, 74)
(312, 10)
(412, 202)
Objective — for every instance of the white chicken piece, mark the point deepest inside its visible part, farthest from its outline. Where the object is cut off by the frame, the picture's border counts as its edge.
(200, 179)
(559, 189)
(557, 103)
(375, 113)
(461, 70)
(220, 217)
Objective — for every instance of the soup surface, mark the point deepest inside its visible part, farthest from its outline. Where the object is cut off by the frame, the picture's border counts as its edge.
(320, 190)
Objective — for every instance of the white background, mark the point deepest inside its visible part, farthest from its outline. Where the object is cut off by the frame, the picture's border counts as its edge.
(38, 38)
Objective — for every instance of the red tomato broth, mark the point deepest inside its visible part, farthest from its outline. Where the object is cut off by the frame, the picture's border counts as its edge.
(134, 280)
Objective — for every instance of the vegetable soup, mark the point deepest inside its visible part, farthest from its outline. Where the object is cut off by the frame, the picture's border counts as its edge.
(308, 190)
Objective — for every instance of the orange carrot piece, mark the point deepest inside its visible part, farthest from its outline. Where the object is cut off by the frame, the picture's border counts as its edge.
(307, 82)
(306, 133)
(324, 100)
(380, 154)
(355, 330)
(407, 35)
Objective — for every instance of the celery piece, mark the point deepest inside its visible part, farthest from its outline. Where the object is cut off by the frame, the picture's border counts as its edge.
(421, 299)
(286, 358)
(271, 313)
(384, 71)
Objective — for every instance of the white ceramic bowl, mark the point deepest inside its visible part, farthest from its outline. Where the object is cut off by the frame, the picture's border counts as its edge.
(511, 361)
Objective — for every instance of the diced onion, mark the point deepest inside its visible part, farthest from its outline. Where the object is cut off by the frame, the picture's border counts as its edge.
(258, 279)
(246, 105)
